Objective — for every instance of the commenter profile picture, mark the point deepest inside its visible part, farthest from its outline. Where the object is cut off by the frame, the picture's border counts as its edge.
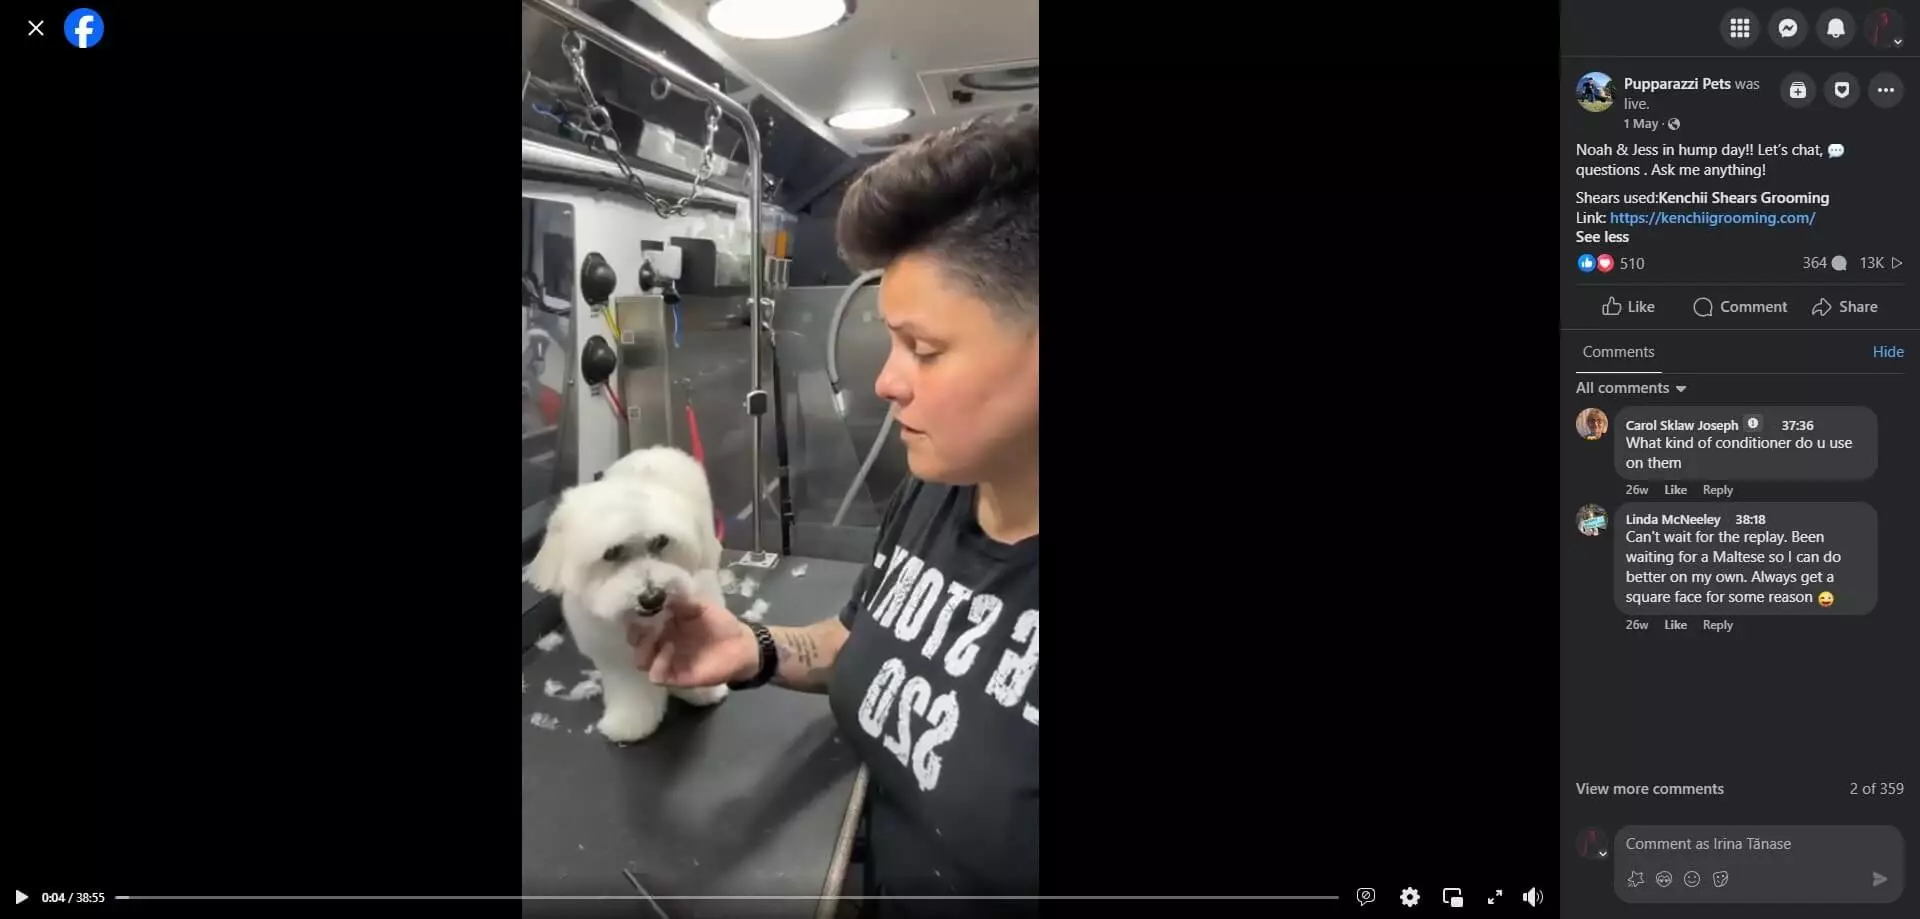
(1594, 91)
(1592, 520)
(1590, 424)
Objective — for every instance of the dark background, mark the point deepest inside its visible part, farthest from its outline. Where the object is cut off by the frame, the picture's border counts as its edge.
(249, 661)
(1786, 712)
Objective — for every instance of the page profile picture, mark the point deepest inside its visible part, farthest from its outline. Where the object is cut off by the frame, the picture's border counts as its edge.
(1594, 91)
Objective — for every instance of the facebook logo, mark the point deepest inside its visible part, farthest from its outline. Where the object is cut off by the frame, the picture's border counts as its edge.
(83, 28)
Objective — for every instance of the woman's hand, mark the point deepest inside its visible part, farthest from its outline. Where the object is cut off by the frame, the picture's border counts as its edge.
(694, 644)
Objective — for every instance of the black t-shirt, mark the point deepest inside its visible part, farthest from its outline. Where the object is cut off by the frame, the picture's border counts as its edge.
(938, 689)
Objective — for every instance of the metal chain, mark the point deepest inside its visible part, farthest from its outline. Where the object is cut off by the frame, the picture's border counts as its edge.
(574, 45)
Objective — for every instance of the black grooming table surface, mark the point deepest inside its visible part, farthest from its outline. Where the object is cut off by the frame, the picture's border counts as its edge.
(743, 799)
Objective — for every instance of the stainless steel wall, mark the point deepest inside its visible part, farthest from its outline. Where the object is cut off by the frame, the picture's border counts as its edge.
(711, 371)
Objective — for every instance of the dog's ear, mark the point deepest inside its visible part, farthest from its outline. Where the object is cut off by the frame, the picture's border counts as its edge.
(544, 573)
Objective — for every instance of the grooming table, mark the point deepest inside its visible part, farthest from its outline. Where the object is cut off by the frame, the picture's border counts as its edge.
(754, 797)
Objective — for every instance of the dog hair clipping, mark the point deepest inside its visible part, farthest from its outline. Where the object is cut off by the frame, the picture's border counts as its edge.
(596, 279)
(597, 361)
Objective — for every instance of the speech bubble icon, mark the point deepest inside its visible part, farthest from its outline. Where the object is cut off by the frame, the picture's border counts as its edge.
(1364, 895)
(1836, 151)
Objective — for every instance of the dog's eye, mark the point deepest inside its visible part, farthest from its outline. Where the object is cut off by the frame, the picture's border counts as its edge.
(657, 543)
(615, 554)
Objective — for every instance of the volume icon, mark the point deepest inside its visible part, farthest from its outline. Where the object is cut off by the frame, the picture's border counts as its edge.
(1533, 897)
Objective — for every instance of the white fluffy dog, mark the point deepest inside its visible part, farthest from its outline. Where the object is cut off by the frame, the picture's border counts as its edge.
(614, 550)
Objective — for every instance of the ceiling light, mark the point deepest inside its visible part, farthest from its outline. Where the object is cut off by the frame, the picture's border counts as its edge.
(866, 119)
(774, 19)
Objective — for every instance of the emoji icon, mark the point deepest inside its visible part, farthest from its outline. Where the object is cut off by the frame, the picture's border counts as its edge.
(1826, 599)
(1836, 151)
(1692, 879)
(1720, 878)
(1664, 879)
(1605, 263)
(1585, 262)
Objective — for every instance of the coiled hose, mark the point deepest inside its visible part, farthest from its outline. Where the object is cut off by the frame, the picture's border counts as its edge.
(840, 402)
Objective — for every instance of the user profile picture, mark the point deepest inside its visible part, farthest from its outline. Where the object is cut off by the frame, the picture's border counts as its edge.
(1591, 844)
(1594, 91)
(1590, 424)
(1592, 520)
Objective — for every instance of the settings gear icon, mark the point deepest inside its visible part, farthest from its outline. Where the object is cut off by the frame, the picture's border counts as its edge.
(1409, 897)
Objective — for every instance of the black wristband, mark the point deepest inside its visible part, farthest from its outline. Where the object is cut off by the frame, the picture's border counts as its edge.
(769, 659)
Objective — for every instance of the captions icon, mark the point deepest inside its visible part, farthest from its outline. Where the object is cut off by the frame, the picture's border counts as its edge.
(1364, 895)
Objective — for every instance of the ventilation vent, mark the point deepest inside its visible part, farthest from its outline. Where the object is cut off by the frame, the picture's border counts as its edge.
(1006, 79)
(982, 87)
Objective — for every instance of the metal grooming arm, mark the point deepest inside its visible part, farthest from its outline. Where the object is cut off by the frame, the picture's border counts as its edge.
(633, 53)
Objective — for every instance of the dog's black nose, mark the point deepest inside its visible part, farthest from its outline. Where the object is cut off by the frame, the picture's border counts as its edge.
(652, 601)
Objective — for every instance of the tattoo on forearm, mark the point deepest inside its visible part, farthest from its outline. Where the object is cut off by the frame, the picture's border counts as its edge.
(805, 665)
(800, 649)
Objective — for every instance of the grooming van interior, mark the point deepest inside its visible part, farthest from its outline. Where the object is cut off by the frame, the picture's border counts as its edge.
(682, 163)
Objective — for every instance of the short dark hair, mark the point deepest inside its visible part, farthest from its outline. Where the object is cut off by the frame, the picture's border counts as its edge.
(970, 197)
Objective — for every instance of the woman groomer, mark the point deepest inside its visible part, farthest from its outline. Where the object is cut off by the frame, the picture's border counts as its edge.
(932, 667)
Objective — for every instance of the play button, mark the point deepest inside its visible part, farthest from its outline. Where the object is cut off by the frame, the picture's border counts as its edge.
(19, 898)
(1879, 879)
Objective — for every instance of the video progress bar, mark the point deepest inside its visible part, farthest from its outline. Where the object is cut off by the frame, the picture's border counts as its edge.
(1746, 373)
(743, 897)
